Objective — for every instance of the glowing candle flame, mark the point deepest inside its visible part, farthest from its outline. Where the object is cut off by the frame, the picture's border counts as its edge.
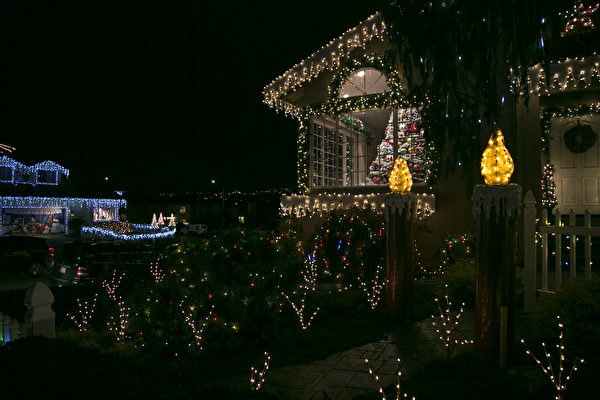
(496, 163)
(400, 177)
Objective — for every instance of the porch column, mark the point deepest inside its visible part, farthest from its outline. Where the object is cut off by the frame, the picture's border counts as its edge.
(400, 211)
(496, 209)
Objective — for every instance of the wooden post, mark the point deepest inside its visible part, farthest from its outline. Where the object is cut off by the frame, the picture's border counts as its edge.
(588, 245)
(573, 248)
(529, 250)
(558, 252)
(400, 211)
(496, 209)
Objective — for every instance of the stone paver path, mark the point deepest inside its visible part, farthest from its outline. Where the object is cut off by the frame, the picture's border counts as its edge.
(345, 375)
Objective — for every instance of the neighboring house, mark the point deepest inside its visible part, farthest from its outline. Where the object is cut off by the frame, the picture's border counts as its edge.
(353, 122)
(34, 200)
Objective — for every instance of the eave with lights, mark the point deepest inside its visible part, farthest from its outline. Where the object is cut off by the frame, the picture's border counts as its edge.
(34, 200)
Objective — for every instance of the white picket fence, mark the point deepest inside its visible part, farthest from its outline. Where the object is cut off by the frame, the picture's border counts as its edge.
(38, 320)
(10, 329)
(544, 231)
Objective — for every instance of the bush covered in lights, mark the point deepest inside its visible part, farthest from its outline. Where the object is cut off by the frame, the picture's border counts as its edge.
(350, 244)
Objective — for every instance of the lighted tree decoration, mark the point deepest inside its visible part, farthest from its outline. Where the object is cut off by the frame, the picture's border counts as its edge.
(496, 163)
(258, 378)
(447, 324)
(154, 222)
(556, 376)
(376, 379)
(157, 273)
(112, 286)
(300, 310)
(161, 220)
(400, 177)
(549, 200)
(309, 274)
(373, 288)
(85, 314)
(579, 17)
(197, 330)
(118, 325)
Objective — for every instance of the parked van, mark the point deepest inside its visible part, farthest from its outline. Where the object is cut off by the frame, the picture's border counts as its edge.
(193, 229)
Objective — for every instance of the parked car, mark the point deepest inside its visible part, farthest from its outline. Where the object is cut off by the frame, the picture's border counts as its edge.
(193, 229)
(25, 254)
(87, 261)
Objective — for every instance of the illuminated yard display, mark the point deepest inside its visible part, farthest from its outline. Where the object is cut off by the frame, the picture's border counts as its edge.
(45, 215)
(496, 163)
(44, 173)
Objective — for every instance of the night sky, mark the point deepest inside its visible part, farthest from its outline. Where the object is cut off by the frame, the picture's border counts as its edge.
(160, 96)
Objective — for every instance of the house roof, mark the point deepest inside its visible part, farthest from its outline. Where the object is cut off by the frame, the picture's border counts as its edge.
(328, 57)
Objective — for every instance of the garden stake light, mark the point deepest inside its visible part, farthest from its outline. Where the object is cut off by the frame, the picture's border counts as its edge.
(118, 326)
(376, 378)
(85, 314)
(112, 287)
(258, 378)
(300, 311)
(196, 331)
(447, 325)
(559, 384)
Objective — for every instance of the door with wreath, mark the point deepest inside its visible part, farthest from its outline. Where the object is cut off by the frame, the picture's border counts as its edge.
(575, 154)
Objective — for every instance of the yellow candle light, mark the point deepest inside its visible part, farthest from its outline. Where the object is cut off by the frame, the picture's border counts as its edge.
(400, 177)
(496, 163)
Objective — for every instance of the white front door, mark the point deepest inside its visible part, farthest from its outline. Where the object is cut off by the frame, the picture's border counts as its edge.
(576, 175)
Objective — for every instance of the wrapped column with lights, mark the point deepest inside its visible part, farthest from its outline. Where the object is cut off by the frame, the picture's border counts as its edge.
(496, 207)
(400, 212)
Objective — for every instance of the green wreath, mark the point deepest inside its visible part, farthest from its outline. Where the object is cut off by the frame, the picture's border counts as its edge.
(580, 138)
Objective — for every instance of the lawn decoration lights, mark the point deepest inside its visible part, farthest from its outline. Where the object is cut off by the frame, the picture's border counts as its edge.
(373, 288)
(447, 324)
(258, 378)
(496, 163)
(400, 177)
(85, 314)
(197, 330)
(376, 379)
(556, 376)
(118, 325)
(112, 287)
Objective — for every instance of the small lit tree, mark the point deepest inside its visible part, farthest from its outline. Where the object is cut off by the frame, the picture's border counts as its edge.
(258, 378)
(556, 376)
(376, 378)
(447, 324)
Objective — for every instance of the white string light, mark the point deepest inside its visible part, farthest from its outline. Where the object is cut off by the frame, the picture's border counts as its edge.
(448, 324)
(258, 378)
(556, 377)
(85, 314)
(113, 285)
(118, 325)
(197, 330)
(376, 379)
(300, 310)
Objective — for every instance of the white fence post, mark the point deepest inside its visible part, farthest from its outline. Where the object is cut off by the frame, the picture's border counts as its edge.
(39, 318)
(558, 252)
(529, 250)
(588, 245)
(544, 251)
(573, 248)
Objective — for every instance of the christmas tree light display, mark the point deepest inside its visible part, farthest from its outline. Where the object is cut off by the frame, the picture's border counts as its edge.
(496, 163)
(85, 314)
(118, 325)
(579, 16)
(191, 322)
(258, 378)
(113, 285)
(412, 147)
(300, 310)
(376, 379)
(549, 200)
(447, 324)
(556, 376)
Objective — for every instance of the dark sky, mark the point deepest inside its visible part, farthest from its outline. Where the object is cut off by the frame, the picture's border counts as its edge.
(159, 95)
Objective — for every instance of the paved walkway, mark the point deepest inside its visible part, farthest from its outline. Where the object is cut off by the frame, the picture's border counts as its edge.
(345, 375)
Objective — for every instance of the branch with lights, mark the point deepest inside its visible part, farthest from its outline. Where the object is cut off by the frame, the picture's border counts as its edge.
(85, 314)
(557, 377)
(112, 286)
(300, 310)
(377, 381)
(197, 330)
(447, 324)
(118, 325)
(258, 378)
